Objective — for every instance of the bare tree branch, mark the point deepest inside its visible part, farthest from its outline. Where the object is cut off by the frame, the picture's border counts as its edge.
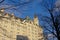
(2, 1)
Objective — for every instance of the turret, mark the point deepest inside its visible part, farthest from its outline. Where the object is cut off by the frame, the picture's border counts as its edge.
(13, 15)
(1, 11)
(27, 18)
(35, 20)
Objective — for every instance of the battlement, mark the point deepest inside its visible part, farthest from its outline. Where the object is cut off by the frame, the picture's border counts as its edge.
(11, 26)
(14, 18)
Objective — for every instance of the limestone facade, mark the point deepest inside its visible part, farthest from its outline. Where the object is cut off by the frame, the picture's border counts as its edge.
(11, 26)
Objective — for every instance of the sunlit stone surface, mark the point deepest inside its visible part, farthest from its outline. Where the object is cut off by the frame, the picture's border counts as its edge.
(14, 28)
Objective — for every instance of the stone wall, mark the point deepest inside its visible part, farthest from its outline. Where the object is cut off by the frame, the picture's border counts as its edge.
(11, 26)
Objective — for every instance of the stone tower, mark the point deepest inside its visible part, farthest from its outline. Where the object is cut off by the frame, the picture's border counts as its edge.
(36, 21)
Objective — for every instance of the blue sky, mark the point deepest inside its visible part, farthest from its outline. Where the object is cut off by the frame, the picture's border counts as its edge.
(28, 10)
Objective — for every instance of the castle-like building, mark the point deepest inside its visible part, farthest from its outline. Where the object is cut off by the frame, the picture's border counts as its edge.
(14, 28)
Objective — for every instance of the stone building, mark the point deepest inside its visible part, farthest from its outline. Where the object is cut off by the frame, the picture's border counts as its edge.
(14, 28)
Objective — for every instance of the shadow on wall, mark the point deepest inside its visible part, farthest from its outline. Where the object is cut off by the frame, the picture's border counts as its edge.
(21, 37)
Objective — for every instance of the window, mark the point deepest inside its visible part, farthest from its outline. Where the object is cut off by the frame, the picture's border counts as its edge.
(20, 37)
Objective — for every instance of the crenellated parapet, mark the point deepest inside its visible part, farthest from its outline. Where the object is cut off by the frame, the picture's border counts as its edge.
(11, 26)
(17, 19)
